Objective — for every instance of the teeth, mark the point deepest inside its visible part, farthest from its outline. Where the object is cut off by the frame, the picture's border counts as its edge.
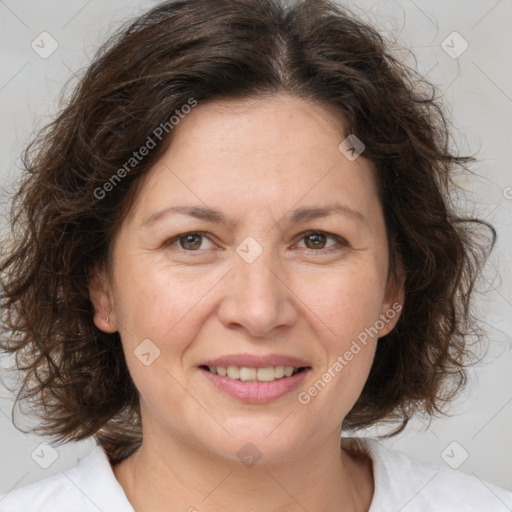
(288, 371)
(234, 372)
(245, 374)
(266, 374)
(278, 372)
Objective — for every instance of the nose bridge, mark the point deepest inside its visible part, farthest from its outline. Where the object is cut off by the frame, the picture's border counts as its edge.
(260, 277)
(257, 297)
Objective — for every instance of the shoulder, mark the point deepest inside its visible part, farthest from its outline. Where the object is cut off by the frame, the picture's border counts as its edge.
(404, 484)
(89, 486)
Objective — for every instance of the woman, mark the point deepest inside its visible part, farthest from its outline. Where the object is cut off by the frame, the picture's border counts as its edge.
(235, 240)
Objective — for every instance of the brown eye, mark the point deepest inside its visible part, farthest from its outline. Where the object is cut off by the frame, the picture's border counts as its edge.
(315, 240)
(191, 241)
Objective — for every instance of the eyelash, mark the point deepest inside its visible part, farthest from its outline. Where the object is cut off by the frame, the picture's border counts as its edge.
(317, 252)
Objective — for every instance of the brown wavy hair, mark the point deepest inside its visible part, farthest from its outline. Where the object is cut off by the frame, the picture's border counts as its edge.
(74, 375)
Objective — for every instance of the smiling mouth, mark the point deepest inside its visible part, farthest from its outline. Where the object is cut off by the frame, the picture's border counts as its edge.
(248, 374)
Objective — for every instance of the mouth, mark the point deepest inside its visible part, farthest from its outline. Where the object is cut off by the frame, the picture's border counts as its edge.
(252, 374)
(255, 379)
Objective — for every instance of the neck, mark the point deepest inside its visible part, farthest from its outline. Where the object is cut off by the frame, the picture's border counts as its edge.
(170, 475)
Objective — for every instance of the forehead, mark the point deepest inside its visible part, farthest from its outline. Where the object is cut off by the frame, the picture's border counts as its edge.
(269, 153)
(279, 125)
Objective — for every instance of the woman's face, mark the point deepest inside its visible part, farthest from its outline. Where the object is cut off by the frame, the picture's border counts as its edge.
(254, 244)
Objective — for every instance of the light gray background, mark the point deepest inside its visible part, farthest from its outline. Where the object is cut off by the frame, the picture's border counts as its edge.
(477, 90)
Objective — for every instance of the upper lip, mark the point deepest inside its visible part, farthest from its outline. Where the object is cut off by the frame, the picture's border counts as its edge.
(253, 361)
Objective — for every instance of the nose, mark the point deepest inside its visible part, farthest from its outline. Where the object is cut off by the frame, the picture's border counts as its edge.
(257, 298)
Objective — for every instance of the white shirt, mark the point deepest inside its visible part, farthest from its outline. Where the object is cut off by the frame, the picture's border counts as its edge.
(401, 485)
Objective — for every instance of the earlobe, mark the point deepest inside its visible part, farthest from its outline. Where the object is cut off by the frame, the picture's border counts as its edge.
(389, 318)
(393, 304)
(99, 294)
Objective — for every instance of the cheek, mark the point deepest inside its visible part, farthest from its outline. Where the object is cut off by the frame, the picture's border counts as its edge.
(346, 302)
(155, 308)
(168, 308)
(344, 310)
(168, 311)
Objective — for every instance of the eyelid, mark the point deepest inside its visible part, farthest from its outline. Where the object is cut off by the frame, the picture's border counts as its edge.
(340, 241)
(171, 241)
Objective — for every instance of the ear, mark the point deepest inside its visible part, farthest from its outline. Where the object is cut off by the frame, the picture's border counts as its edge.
(393, 301)
(101, 298)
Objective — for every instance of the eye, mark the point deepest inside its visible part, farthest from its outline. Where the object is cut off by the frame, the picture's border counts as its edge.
(190, 242)
(316, 241)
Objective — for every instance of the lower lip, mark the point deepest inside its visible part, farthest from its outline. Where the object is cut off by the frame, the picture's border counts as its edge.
(256, 392)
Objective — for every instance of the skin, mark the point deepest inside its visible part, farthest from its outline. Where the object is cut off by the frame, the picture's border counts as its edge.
(254, 161)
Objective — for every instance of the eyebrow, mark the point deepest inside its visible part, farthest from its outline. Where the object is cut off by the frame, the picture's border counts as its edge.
(198, 212)
(296, 216)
